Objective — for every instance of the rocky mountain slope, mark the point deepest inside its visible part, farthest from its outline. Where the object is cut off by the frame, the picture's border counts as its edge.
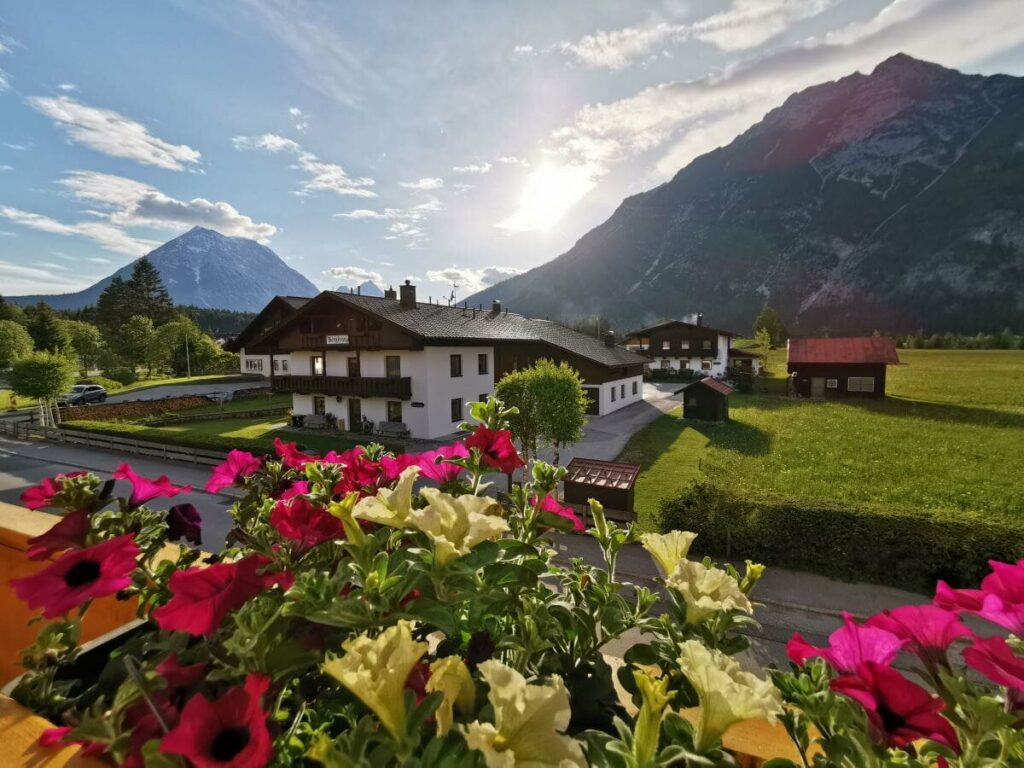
(204, 268)
(365, 288)
(892, 201)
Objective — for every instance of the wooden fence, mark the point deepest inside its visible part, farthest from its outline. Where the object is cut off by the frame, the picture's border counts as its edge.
(26, 430)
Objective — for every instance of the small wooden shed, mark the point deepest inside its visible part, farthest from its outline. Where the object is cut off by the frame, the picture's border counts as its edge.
(610, 482)
(707, 400)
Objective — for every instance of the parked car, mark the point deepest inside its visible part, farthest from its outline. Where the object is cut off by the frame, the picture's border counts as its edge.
(84, 394)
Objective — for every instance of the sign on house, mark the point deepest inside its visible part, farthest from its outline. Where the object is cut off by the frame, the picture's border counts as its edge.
(339, 339)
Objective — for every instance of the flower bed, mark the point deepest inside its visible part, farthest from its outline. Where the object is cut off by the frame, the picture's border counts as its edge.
(356, 620)
(135, 409)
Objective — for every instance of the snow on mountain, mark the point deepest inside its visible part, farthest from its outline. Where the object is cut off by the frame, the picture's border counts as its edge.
(205, 269)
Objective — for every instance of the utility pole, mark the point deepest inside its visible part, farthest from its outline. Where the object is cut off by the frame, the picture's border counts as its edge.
(188, 360)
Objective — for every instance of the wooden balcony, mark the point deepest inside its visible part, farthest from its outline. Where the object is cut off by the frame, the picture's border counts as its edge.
(347, 386)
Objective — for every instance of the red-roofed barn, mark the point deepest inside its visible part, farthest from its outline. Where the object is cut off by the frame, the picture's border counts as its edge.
(841, 367)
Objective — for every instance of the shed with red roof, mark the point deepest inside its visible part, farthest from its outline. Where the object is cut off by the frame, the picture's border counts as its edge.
(840, 367)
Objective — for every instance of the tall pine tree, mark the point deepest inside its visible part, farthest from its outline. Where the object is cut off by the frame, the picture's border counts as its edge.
(148, 294)
(47, 330)
(113, 308)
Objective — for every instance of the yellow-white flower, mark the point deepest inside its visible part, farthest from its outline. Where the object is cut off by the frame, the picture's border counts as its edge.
(706, 591)
(451, 677)
(667, 549)
(528, 720)
(456, 524)
(390, 507)
(727, 694)
(375, 670)
(654, 697)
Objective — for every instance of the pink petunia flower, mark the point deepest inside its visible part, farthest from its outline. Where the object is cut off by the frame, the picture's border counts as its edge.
(238, 465)
(393, 466)
(228, 732)
(435, 465)
(849, 646)
(359, 474)
(57, 737)
(1000, 599)
(144, 489)
(549, 507)
(304, 523)
(69, 532)
(496, 448)
(899, 712)
(42, 495)
(201, 597)
(80, 575)
(993, 657)
(291, 456)
(927, 629)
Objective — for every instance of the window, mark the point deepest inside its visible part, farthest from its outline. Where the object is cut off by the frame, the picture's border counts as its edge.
(481, 363)
(456, 409)
(319, 405)
(316, 365)
(831, 383)
(253, 365)
(705, 365)
(666, 345)
(634, 387)
(284, 366)
(622, 390)
(455, 362)
(394, 409)
(707, 344)
(277, 364)
(613, 394)
(353, 368)
(860, 384)
(483, 397)
(684, 344)
(665, 363)
(393, 370)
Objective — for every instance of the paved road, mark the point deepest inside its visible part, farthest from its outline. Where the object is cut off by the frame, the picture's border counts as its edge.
(604, 437)
(179, 390)
(26, 464)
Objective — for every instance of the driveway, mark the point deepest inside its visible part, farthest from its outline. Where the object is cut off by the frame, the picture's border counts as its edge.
(604, 437)
(181, 390)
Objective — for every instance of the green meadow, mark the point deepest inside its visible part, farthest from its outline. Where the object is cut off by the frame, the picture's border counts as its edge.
(949, 436)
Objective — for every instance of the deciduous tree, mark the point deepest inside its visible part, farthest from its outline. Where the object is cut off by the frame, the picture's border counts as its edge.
(43, 376)
(770, 321)
(87, 343)
(14, 342)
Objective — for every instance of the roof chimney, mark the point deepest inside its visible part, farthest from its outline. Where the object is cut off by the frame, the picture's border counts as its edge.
(359, 290)
(609, 338)
(391, 293)
(408, 292)
(496, 307)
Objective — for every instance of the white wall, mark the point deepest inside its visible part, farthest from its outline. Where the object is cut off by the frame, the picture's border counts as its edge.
(254, 364)
(621, 401)
(694, 362)
(432, 385)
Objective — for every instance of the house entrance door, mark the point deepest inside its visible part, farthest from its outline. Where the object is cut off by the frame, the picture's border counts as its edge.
(817, 387)
(355, 413)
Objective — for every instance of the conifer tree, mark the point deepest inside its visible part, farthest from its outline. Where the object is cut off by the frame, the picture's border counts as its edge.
(148, 295)
(47, 330)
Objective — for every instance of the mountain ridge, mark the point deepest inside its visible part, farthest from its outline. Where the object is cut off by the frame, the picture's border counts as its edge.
(206, 269)
(829, 210)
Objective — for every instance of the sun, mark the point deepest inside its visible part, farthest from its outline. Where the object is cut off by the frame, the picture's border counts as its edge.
(549, 192)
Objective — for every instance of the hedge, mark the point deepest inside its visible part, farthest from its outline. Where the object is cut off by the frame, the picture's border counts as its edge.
(910, 549)
(108, 384)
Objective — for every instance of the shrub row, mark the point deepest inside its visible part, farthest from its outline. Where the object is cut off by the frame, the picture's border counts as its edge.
(181, 418)
(910, 549)
(135, 409)
(108, 384)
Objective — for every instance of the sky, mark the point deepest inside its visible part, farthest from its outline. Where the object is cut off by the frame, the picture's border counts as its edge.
(444, 142)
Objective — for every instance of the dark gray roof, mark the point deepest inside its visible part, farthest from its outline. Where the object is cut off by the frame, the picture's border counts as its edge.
(440, 323)
(663, 323)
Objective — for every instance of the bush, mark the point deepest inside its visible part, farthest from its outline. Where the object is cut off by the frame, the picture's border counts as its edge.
(124, 375)
(903, 548)
(108, 384)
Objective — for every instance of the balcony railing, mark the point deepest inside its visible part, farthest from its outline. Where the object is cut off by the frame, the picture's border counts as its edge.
(347, 386)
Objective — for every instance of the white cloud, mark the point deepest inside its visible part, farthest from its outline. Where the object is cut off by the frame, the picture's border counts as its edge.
(16, 147)
(462, 188)
(99, 260)
(21, 279)
(697, 115)
(5, 83)
(361, 213)
(470, 279)
(523, 50)
(354, 275)
(477, 168)
(300, 117)
(113, 134)
(746, 24)
(404, 224)
(513, 160)
(5, 233)
(107, 235)
(67, 87)
(549, 192)
(322, 176)
(423, 185)
(128, 203)
(6, 168)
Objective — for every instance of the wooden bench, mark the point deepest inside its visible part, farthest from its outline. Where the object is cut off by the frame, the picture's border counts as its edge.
(392, 429)
(314, 421)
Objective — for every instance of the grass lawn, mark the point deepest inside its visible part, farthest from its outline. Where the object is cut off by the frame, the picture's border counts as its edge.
(5, 394)
(255, 435)
(950, 435)
(241, 404)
